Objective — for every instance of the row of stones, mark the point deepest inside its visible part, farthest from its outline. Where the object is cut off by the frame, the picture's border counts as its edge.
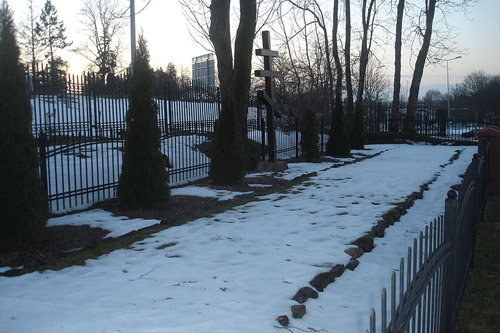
(362, 245)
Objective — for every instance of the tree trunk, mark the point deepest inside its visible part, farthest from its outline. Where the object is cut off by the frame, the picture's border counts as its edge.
(358, 130)
(393, 125)
(243, 48)
(419, 67)
(338, 144)
(348, 75)
(228, 160)
(220, 35)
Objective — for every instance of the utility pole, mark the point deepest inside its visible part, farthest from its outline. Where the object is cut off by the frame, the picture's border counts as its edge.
(448, 79)
(132, 34)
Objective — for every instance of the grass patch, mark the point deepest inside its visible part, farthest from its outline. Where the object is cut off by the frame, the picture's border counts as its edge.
(480, 308)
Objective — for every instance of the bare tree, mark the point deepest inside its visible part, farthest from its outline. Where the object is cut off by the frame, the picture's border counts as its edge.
(429, 12)
(376, 85)
(368, 12)
(228, 161)
(230, 72)
(480, 93)
(303, 61)
(393, 125)
(29, 41)
(442, 45)
(197, 14)
(103, 22)
(338, 144)
(348, 74)
(433, 96)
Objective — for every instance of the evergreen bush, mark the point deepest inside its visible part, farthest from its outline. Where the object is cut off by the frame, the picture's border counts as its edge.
(228, 158)
(144, 179)
(23, 203)
(338, 143)
(358, 136)
(309, 135)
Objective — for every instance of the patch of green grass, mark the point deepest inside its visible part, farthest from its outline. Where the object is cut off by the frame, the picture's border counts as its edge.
(480, 308)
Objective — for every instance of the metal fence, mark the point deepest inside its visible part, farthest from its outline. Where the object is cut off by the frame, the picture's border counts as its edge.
(80, 125)
(426, 295)
(431, 122)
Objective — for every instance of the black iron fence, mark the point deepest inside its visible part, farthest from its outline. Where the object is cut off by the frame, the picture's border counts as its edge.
(80, 125)
(426, 295)
(430, 122)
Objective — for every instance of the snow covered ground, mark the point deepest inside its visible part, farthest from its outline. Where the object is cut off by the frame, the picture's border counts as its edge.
(238, 270)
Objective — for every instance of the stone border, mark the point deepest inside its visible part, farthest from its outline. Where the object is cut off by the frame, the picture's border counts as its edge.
(361, 245)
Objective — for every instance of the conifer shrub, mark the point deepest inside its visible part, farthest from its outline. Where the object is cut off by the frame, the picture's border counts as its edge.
(338, 143)
(144, 180)
(309, 135)
(228, 158)
(358, 136)
(23, 203)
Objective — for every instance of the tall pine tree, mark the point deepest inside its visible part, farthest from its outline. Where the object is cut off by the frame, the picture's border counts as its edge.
(144, 179)
(23, 204)
(51, 35)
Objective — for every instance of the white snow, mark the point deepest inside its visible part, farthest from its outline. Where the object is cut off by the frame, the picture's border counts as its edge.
(206, 192)
(238, 270)
(98, 218)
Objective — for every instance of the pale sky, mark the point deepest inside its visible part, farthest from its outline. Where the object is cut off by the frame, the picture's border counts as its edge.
(166, 30)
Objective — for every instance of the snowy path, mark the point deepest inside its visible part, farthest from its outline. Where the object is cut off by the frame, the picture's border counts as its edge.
(236, 271)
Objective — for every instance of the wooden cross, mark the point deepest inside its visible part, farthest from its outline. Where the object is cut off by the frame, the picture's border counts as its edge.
(267, 97)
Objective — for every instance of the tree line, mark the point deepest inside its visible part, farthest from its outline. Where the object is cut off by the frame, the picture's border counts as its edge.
(328, 58)
(42, 35)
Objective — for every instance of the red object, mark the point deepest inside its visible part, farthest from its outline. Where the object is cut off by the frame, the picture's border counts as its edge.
(493, 133)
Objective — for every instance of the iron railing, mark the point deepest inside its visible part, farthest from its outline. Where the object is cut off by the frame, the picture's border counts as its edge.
(80, 124)
(430, 122)
(427, 297)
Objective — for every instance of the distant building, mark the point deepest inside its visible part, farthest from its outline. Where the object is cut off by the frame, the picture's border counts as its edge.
(203, 70)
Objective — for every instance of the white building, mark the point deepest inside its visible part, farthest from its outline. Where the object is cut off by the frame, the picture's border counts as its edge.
(203, 70)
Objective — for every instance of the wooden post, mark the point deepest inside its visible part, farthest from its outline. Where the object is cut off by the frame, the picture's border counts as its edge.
(447, 305)
(267, 96)
(42, 146)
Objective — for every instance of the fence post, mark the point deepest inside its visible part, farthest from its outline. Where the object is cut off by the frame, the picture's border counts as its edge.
(296, 137)
(263, 137)
(42, 147)
(219, 102)
(322, 131)
(448, 282)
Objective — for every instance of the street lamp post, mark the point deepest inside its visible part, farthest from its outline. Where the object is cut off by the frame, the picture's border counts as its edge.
(132, 35)
(448, 79)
